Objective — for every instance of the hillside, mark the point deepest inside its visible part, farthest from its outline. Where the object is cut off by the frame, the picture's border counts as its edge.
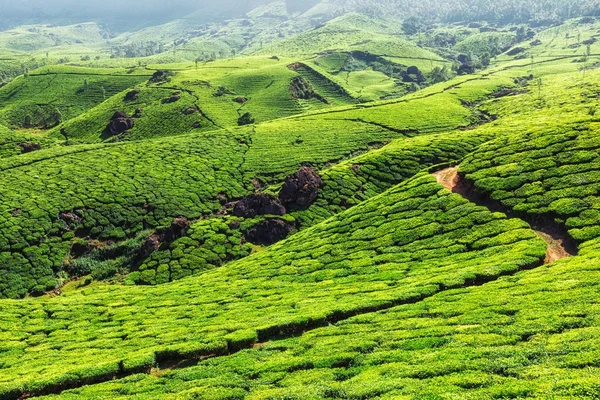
(330, 206)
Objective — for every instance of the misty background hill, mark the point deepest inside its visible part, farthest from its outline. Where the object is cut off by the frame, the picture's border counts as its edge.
(122, 16)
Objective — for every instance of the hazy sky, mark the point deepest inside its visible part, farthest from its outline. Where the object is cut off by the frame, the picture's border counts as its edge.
(114, 12)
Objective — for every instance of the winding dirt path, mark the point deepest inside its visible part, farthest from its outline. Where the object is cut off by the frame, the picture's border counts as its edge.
(557, 241)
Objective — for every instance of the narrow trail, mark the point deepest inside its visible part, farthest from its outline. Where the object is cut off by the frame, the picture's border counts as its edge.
(560, 243)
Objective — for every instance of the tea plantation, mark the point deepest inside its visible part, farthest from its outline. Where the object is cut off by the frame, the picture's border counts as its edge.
(132, 264)
(404, 245)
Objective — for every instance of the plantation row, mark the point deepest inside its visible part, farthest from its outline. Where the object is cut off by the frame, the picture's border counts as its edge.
(155, 113)
(213, 242)
(550, 172)
(51, 95)
(106, 193)
(142, 185)
(532, 335)
(406, 244)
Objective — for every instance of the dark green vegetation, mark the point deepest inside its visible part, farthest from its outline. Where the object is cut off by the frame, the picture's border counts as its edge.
(125, 272)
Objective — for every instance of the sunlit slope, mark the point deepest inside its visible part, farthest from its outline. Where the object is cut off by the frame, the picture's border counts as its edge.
(267, 152)
(404, 245)
(350, 32)
(51, 95)
(211, 96)
(532, 335)
(215, 241)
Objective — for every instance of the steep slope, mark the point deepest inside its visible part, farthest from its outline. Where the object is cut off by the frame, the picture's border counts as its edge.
(400, 247)
(50, 95)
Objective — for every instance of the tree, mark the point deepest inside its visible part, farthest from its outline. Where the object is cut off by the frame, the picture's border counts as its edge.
(485, 59)
(56, 116)
(28, 121)
(412, 26)
(438, 75)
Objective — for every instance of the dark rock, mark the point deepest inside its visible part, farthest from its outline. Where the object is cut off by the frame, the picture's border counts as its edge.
(138, 113)
(132, 96)
(191, 110)
(474, 25)
(196, 125)
(515, 51)
(484, 29)
(70, 218)
(269, 232)
(120, 122)
(164, 237)
(160, 76)
(302, 188)
(151, 245)
(178, 229)
(241, 100)
(29, 147)
(589, 42)
(174, 98)
(258, 204)
(234, 225)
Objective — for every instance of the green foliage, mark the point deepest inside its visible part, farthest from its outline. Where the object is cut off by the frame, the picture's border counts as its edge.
(549, 172)
(406, 244)
(67, 92)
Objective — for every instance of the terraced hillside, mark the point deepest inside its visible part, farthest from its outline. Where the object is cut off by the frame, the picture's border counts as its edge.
(261, 228)
(49, 96)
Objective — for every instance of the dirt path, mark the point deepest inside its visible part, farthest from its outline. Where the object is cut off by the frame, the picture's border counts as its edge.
(557, 241)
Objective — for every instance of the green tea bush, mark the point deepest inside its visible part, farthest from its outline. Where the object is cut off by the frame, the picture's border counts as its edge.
(549, 172)
(392, 255)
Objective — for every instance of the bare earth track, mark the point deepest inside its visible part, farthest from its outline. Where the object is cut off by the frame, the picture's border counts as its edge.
(558, 242)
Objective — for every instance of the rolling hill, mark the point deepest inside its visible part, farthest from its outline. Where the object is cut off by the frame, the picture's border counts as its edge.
(339, 209)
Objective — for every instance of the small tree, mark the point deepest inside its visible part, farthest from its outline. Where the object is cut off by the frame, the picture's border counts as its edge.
(412, 26)
(56, 116)
(28, 121)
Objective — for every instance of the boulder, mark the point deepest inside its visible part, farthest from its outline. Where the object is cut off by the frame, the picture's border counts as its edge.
(29, 147)
(536, 42)
(241, 100)
(258, 204)
(190, 111)
(268, 232)
(165, 236)
(132, 95)
(302, 188)
(174, 98)
(119, 123)
(178, 229)
(160, 76)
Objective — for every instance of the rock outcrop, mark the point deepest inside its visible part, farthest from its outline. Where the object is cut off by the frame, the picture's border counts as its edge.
(258, 204)
(268, 232)
(302, 188)
(119, 123)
